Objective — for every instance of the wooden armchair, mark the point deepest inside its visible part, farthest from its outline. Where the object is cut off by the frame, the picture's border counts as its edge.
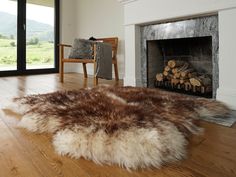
(113, 41)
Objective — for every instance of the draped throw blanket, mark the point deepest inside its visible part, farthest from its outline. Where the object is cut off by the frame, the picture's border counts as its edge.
(131, 127)
(104, 60)
(83, 49)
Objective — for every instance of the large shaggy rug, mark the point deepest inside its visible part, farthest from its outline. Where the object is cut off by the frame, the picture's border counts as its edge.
(131, 127)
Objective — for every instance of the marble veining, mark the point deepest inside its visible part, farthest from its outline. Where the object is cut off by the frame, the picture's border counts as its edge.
(198, 27)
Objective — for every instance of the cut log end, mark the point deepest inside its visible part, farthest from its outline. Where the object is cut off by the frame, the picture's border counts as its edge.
(200, 81)
(175, 63)
(159, 77)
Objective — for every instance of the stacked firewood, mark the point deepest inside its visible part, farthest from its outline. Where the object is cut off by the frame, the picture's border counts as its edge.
(181, 72)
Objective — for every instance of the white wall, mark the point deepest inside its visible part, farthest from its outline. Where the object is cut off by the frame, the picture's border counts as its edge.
(98, 18)
(68, 26)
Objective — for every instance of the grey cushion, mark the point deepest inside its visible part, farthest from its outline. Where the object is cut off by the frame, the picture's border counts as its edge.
(82, 49)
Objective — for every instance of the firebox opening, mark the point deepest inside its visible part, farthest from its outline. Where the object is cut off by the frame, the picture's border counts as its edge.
(181, 65)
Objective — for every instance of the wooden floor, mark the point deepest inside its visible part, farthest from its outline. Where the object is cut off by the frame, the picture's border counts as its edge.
(24, 154)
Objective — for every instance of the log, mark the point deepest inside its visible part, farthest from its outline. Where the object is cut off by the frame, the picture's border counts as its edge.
(200, 81)
(175, 63)
(195, 81)
(167, 68)
(175, 70)
(176, 75)
(174, 81)
(182, 81)
(181, 68)
(169, 77)
(159, 77)
(186, 77)
(165, 73)
(192, 74)
(186, 72)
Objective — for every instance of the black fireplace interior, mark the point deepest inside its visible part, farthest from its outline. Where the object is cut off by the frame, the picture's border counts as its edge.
(196, 51)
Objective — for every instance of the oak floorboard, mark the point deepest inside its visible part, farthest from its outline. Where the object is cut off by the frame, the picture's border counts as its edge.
(39, 147)
(14, 159)
(26, 154)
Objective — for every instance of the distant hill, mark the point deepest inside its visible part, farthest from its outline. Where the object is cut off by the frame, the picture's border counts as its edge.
(34, 29)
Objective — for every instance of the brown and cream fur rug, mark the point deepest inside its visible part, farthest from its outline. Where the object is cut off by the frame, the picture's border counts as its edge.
(131, 127)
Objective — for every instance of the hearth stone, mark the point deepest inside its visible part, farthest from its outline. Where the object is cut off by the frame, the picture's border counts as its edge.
(199, 27)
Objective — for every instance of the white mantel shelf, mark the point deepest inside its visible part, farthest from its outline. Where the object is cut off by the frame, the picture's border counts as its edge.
(126, 1)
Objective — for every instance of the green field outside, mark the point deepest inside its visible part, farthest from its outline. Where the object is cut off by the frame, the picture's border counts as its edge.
(40, 54)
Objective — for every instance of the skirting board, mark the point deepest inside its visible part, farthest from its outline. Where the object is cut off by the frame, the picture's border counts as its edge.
(227, 96)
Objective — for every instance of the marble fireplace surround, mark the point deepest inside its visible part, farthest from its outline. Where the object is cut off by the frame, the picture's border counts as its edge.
(199, 27)
(139, 14)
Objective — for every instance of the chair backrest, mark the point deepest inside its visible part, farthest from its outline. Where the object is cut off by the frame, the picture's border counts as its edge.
(114, 43)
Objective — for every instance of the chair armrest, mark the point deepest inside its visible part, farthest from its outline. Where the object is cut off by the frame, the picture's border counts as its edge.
(61, 50)
(64, 45)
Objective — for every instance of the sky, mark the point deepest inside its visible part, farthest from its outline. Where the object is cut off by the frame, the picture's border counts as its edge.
(34, 12)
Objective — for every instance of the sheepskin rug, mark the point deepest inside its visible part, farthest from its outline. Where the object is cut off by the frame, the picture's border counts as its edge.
(131, 127)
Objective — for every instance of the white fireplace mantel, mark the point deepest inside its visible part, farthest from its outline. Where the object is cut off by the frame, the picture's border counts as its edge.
(150, 11)
(125, 1)
(141, 12)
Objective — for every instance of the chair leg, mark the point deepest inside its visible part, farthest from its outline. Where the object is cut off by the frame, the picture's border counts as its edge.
(85, 70)
(95, 81)
(62, 71)
(116, 71)
(95, 78)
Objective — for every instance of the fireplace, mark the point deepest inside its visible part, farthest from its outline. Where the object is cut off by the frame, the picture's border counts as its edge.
(193, 44)
(157, 20)
(181, 65)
